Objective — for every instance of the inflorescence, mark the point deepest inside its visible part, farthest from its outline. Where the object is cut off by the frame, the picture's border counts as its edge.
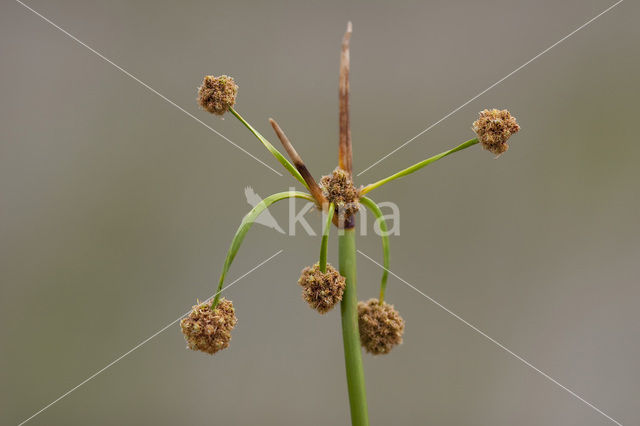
(321, 290)
(494, 127)
(208, 329)
(374, 325)
(381, 326)
(217, 94)
(338, 188)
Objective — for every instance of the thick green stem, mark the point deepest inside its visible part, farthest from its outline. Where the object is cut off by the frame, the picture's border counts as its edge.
(350, 333)
(418, 166)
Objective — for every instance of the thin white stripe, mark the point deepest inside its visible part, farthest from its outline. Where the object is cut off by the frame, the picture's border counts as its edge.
(138, 345)
(151, 89)
(509, 351)
(492, 86)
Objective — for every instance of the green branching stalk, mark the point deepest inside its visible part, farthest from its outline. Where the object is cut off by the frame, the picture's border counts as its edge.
(287, 165)
(325, 239)
(244, 227)
(418, 166)
(371, 205)
(350, 333)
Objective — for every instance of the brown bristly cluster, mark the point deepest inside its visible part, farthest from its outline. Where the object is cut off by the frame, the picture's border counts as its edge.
(494, 127)
(381, 326)
(321, 290)
(209, 330)
(217, 94)
(338, 188)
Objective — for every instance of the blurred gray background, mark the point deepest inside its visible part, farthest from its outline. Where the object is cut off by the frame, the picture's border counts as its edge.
(116, 211)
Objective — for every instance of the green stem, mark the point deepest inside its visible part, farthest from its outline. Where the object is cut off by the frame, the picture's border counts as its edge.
(287, 165)
(350, 333)
(418, 166)
(371, 205)
(244, 227)
(325, 239)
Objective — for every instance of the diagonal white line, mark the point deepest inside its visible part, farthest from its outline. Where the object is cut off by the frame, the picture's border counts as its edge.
(503, 347)
(492, 86)
(140, 344)
(145, 85)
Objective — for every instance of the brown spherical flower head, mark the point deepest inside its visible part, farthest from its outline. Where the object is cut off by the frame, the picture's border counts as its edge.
(209, 330)
(321, 290)
(381, 326)
(338, 188)
(494, 127)
(217, 94)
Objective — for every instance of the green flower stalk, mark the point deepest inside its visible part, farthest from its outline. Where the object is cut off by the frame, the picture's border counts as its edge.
(373, 325)
(375, 209)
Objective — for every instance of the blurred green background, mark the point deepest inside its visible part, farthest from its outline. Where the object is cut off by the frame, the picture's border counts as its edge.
(116, 210)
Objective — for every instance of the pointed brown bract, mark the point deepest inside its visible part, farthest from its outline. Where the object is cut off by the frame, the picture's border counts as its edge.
(314, 188)
(345, 152)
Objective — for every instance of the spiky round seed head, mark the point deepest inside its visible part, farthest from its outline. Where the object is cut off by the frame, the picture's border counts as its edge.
(338, 188)
(209, 330)
(217, 94)
(494, 127)
(321, 290)
(381, 326)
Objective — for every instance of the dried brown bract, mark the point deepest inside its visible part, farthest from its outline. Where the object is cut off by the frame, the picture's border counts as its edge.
(217, 94)
(209, 330)
(321, 290)
(381, 326)
(338, 188)
(494, 127)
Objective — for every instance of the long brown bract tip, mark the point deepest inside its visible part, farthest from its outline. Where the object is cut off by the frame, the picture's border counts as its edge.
(345, 151)
(314, 188)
